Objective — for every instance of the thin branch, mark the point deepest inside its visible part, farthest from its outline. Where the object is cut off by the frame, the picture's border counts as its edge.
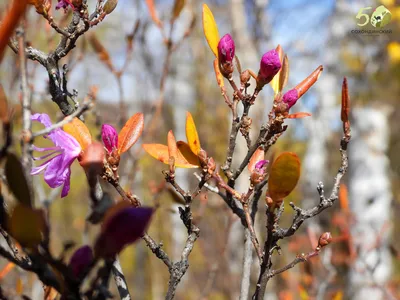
(86, 105)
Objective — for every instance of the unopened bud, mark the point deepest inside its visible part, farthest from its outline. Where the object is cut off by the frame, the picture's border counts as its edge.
(211, 165)
(269, 66)
(110, 137)
(110, 6)
(226, 54)
(245, 76)
(324, 239)
(290, 97)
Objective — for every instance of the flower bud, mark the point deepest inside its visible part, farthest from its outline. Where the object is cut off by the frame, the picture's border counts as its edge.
(290, 97)
(80, 260)
(109, 136)
(324, 239)
(269, 66)
(258, 174)
(226, 54)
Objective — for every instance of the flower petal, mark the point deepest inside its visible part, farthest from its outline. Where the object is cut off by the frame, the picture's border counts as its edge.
(67, 184)
(42, 118)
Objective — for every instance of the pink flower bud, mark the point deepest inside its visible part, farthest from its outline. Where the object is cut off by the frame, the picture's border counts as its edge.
(80, 260)
(109, 136)
(261, 164)
(290, 97)
(269, 66)
(226, 49)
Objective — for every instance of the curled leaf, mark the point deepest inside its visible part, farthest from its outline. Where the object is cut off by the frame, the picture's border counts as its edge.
(125, 227)
(303, 86)
(257, 156)
(275, 82)
(79, 131)
(130, 133)
(283, 176)
(16, 180)
(210, 29)
(172, 148)
(345, 101)
(153, 12)
(284, 73)
(298, 115)
(191, 134)
(92, 158)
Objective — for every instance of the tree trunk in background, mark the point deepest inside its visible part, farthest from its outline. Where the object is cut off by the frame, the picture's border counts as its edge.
(370, 199)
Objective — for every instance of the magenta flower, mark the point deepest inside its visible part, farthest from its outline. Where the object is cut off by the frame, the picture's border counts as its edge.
(80, 260)
(110, 137)
(226, 49)
(57, 169)
(261, 164)
(123, 228)
(64, 4)
(290, 97)
(269, 66)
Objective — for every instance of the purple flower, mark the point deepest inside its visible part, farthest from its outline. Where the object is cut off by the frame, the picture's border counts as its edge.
(64, 4)
(290, 97)
(57, 169)
(226, 49)
(270, 65)
(80, 260)
(110, 137)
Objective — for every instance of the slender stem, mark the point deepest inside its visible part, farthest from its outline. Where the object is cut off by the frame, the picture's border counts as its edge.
(253, 235)
(120, 280)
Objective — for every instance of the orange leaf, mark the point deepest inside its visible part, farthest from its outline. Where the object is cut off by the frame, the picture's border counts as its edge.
(186, 156)
(160, 152)
(298, 115)
(79, 131)
(284, 175)
(344, 198)
(210, 29)
(153, 12)
(130, 133)
(191, 134)
(218, 75)
(172, 148)
(257, 156)
(303, 86)
(10, 22)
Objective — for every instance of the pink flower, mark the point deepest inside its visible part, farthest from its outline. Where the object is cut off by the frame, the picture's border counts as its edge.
(110, 137)
(261, 165)
(57, 169)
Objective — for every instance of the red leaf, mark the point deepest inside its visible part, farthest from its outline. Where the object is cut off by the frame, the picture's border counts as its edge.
(130, 133)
